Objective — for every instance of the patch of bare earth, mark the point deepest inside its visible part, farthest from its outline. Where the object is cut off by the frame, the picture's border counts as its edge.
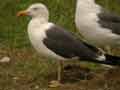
(97, 80)
(22, 73)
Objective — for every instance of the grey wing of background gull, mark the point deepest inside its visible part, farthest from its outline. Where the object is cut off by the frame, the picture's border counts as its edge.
(110, 21)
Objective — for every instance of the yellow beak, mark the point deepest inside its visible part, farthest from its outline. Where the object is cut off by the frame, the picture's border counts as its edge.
(22, 13)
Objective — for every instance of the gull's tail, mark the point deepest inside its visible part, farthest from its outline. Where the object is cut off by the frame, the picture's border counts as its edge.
(112, 60)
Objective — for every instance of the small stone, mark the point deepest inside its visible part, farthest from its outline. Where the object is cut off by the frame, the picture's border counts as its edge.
(5, 59)
(36, 87)
(15, 78)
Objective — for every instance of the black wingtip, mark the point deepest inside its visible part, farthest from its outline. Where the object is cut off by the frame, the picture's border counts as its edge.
(112, 60)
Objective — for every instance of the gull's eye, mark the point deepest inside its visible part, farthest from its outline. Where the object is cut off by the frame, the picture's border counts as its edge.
(35, 8)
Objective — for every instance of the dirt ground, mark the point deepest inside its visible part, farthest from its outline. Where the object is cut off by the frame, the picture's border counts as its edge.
(33, 74)
(84, 79)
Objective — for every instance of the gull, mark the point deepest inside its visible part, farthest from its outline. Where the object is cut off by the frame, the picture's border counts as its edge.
(97, 25)
(51, 40)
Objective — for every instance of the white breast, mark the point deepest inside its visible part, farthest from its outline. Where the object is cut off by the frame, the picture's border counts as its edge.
(36, 32)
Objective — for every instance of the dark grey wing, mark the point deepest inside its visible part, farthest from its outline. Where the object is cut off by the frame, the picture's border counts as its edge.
(109, 16)
(66, 45)
(109, 20)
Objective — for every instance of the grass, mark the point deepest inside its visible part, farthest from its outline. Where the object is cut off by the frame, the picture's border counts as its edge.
(27, 70)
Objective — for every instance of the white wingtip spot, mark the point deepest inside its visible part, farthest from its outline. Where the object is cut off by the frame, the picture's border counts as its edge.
(101, 58)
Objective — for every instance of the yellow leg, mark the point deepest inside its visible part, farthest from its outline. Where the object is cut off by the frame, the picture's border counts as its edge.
(58, 82)
(60, 71)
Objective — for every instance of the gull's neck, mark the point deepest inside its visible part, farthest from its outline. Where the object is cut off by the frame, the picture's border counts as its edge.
(37, 22)
(86, 1)
(86, 6)
(41, 20)
(86, 16)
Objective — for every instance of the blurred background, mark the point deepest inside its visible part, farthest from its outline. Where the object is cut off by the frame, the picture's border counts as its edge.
(26, 66)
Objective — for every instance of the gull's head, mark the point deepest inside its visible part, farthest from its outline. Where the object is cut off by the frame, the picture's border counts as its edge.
(35, 10)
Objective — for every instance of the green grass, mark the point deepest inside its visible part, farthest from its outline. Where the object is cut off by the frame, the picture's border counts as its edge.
(26, 70)
(13, 31)
(14, 34)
